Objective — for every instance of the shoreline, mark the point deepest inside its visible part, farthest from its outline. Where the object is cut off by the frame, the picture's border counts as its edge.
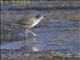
(42, 55)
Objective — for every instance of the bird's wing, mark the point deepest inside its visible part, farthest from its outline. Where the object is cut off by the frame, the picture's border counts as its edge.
(27, 21)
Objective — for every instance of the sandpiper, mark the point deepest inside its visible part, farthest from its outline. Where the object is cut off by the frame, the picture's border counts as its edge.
(30, 22)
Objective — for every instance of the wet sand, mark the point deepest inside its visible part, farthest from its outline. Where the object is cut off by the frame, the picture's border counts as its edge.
(42, 56)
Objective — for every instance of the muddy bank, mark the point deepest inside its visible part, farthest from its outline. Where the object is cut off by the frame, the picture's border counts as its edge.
(42, 56)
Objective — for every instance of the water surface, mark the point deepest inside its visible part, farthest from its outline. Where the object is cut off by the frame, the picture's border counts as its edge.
(53, 34)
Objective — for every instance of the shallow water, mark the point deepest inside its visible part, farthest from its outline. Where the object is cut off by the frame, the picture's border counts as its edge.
(54, 35)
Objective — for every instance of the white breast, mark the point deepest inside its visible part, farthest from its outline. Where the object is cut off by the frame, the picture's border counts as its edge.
(36, 21)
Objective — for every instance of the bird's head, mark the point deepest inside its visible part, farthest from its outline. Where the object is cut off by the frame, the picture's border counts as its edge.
(39, 17)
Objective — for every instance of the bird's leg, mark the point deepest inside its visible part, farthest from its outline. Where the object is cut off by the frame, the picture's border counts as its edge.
(32, 32)
(26, 31)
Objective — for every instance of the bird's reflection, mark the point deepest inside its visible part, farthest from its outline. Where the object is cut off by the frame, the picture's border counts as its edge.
(19, 47)
(32, 45)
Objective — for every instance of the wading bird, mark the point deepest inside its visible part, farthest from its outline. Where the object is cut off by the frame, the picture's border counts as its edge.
(30, 22)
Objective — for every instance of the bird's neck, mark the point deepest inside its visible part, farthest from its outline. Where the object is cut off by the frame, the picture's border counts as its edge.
(36, 21)
(39, 20)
